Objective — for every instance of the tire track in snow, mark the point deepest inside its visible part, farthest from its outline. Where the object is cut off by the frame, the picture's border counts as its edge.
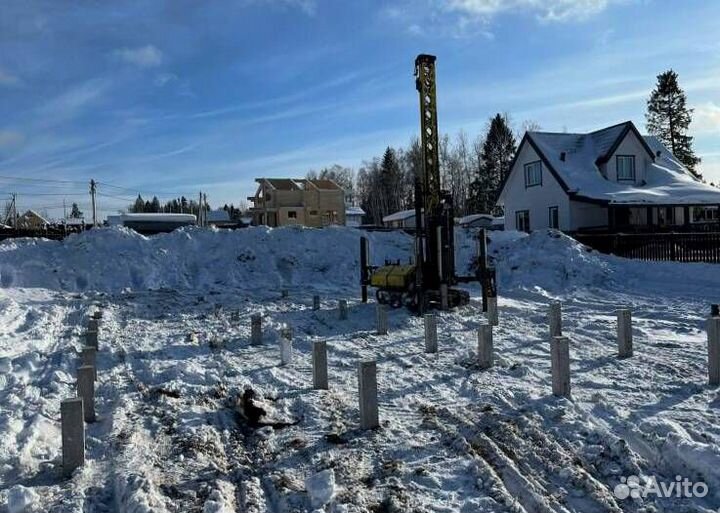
(125, 487)
(524, 465)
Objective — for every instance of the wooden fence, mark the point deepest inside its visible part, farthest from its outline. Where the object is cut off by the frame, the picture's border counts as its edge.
(678, 247)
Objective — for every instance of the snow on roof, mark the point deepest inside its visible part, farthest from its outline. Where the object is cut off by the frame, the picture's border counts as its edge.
(218, 216)
(667, 180)
(179, 218)
(32, 213)
(474, 217)
(354, 211)
(399, 216)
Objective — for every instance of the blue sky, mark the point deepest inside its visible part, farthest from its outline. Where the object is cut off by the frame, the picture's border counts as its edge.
(177, 96)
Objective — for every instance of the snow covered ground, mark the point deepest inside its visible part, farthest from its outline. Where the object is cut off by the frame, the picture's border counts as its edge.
(174, 434)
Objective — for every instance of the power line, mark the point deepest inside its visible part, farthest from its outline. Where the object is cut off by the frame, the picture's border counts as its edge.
(130, 200)
(51, 180)
(147, 193)
(41, 181)
(21, 193)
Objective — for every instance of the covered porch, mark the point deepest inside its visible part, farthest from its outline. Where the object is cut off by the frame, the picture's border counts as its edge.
(643, 218)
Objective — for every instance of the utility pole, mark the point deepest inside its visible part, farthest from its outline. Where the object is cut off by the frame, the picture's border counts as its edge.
(15, 215)
(64, 210)
(9, 213)
(93, 192)
(205, 209)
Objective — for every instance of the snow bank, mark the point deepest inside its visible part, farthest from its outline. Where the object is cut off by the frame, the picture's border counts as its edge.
(113, 259)
(266, 259)
(556, 263)
(549, 260)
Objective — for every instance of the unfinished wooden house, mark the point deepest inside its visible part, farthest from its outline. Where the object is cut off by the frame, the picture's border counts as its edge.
(289, 201)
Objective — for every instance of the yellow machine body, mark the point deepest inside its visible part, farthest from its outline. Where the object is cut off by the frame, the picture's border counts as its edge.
(393, 277)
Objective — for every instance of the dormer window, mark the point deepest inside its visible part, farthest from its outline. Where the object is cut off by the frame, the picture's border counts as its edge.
(626, 168)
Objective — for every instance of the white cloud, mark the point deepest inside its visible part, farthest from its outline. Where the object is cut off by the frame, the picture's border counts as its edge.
(546, 10)
(7, 79)
(145, 56)
(73, 101)
(462, 18)
(706, 119)
(309, 7)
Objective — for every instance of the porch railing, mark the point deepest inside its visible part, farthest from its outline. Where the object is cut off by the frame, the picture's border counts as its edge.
(678, 247)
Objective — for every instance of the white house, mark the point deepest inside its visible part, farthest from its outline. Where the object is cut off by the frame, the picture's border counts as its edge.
(611, 179)
(353, 216)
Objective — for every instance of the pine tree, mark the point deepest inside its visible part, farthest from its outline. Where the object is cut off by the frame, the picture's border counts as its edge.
(155, 205)
(498, 151)
(668, 118)
(390, 179)
(139, 206)
(75, 212)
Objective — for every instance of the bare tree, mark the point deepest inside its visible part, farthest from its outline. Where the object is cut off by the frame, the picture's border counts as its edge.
(343, 176)
(529, 125)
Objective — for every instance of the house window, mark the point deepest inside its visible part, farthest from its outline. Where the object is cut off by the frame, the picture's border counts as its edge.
(626, 167)
(553, 218)
(533, 174)
(666, 216)
(522, 220)
(704, 214)
(292, 214)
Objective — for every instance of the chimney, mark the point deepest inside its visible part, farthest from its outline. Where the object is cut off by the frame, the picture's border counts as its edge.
(562, 156)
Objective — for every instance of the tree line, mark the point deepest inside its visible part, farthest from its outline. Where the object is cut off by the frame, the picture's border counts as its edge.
(473, 169)
(179, 205)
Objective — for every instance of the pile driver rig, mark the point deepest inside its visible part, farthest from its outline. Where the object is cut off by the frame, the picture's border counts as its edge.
(428, 281)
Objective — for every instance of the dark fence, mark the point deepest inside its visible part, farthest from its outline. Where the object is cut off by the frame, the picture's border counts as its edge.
(47, 233)
(678, 247)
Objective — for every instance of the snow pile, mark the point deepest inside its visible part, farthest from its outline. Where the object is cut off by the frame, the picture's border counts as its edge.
(555, 263)
(295, 258)
(116, 258)
(548, 260)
